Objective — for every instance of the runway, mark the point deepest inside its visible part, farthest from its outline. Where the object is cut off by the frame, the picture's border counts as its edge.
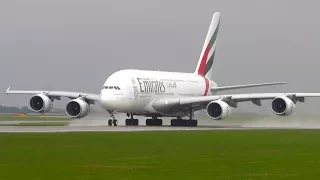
(99, 124)
(43, 129)
(103, 128)
(31, 121)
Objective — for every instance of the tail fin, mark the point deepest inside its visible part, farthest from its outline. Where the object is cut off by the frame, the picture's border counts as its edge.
(204, 67)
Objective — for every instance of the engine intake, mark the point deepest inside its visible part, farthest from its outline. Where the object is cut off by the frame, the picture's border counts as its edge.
(218, 110)
(282, 106)
(77, 108)
(40, 103)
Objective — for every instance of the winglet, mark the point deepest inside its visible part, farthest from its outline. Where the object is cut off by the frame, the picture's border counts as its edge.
(7, 90)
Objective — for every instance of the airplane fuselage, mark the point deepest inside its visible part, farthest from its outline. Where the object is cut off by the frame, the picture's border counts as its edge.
(134, 91)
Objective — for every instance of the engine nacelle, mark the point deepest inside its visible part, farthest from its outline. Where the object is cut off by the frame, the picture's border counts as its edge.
(282, 106)
(77, 108)
(218, 110)
(40, 103)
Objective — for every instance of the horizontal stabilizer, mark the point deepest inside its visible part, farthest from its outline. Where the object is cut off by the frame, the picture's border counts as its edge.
(222, 88)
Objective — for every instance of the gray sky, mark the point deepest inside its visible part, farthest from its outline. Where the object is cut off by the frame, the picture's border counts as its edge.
(75, 45)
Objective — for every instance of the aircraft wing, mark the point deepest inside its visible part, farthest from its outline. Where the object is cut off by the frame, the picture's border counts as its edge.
(57, 94)
(223, 88)
(232, 99)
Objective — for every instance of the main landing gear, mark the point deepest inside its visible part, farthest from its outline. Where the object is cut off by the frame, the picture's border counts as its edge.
(154, 122)
(185, 122)
(132, 121)
(113, 120)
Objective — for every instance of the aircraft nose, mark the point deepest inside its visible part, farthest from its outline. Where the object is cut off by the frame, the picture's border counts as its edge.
(106, 99)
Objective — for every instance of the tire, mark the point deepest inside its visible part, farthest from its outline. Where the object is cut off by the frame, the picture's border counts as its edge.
(180, 122)
(173, 122)
(192, 123)
(185, 122)
(115, 122)
(135, 122)
(159, 122)
(195, 123)
(110, 122)
(128, 122)
(150, 122)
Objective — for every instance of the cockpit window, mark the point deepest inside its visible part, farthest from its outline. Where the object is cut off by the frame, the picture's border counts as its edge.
(111, 87)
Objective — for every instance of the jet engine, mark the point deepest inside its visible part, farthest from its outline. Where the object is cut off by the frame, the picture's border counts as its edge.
(218, 110)
(282, 106)
(77, 108)
(40, 103)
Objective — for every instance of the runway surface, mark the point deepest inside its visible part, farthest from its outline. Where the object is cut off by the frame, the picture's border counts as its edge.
(42, 129)
(31, 121)
(102, 128)
(91, 124)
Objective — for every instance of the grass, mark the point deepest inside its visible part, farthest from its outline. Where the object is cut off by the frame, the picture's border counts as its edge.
(253, 154)
(38, 124)
(32, 118)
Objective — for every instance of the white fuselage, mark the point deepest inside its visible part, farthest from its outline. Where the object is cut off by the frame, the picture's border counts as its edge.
(139, 88)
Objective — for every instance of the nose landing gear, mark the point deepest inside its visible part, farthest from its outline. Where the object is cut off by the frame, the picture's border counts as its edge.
(113, 121)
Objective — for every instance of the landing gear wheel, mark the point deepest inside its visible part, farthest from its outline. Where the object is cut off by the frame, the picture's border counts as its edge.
(192, 123)
(113, 119)
(173, 122)
(115, 122)
(135, 122)
(110, 122)
(154, 122)
(128, 122)
(132, 122)
(149, 122)
(183, 122)
(178, 122)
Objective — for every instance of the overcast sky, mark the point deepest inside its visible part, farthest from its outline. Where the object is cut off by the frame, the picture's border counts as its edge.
(75, 45)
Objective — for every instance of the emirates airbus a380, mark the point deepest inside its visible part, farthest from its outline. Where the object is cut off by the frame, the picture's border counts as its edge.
(157, 94)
